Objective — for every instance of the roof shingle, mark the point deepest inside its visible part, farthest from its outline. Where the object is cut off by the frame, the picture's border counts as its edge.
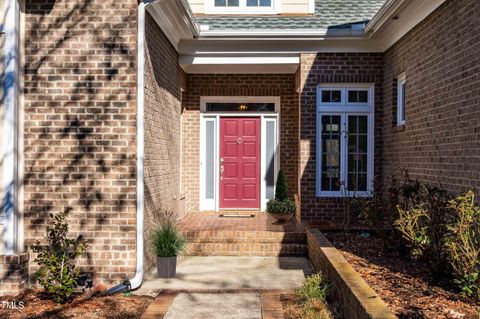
(329, 14)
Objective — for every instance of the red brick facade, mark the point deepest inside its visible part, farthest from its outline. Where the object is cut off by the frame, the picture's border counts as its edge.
(80, 124)
(440, 143)
(331, 68)
(80, 121)
(164, 81)
(282, 85)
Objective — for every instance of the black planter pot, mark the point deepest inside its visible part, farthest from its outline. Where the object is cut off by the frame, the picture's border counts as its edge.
(166, 267)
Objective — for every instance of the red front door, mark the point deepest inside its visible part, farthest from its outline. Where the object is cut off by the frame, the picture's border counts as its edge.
(239, 162)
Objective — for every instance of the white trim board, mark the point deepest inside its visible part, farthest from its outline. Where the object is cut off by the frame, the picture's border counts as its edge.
(239, 64)
(9, 187)
(213, 204)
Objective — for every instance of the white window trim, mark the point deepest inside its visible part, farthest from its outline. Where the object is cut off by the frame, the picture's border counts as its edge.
(275, 8)
(214, 204)
(344, 109)
(401, 80)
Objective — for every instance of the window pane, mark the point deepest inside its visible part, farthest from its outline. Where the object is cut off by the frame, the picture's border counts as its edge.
(252, 3)
(232, 3)
(270, 157)
(325, 96)
(265, 3)
(357, 96)
(240, 107)
(357, 153)
(352, 97)
(331, 96)
(330, 153)
(336, 96)
(220, 3)
(209, 159)
(363, 96)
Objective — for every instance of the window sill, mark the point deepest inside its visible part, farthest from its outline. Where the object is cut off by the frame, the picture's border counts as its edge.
(398, 128)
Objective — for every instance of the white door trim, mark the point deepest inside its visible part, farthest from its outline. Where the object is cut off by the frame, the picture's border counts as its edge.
(213, 204)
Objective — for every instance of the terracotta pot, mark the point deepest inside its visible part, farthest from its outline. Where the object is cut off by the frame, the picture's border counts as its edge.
(281, 217)
(166, 267)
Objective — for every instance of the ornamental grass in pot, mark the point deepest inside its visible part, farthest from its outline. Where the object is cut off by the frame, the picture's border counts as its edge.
(167, 243)
(281, 208)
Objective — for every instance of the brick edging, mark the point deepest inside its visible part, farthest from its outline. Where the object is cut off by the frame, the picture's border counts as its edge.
(358, 299)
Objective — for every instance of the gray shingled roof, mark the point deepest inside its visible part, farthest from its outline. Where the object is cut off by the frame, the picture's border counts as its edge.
(329, 14)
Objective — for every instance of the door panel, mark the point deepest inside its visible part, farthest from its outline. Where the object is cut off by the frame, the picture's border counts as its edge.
(240, 153)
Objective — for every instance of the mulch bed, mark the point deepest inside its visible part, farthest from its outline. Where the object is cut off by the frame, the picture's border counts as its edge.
(292, 308)
(84, 306)
(404, 284)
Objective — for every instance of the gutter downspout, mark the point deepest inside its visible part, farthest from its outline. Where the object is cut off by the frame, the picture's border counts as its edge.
(136, 281)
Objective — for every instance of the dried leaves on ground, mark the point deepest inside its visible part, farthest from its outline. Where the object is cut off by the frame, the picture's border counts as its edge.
(404, 284)
(294, 309)
(37, 305)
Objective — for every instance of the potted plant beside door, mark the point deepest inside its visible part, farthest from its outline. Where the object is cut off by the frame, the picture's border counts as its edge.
(281, 208)
(167, 243)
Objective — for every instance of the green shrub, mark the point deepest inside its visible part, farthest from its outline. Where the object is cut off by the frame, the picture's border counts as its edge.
(167, 241)
(280, 207)
(463, 244)
(424, 227)
(380, 210)
(57, 259)
(314, 288)
(281, 190)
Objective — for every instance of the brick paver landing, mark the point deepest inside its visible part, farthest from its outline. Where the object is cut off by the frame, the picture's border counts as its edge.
(211, 221)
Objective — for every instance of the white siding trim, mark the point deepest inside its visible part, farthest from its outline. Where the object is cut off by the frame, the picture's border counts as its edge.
(9, 184)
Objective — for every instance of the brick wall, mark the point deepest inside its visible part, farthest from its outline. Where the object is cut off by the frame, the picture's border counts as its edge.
(164, 80)
(13, 273)
(331, 68)
(440, 141)
(282, 85)
(80, 118)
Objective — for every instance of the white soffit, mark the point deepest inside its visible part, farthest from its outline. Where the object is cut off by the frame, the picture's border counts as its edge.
(391, 24)
(239, 64)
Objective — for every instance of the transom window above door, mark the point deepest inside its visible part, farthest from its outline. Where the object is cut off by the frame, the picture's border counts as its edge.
(344, 140)
(241, 6)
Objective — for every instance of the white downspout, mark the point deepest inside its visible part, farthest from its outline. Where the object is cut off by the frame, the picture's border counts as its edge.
(136, 281)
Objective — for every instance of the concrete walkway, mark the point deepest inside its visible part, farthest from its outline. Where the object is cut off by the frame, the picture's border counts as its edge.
(215, 306)
(214, 274)
(224, 287)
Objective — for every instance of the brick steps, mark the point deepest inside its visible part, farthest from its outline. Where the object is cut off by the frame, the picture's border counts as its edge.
(246, 243)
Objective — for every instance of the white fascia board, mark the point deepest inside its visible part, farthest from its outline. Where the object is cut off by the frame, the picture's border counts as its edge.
(383, 15)
(175, 18)
(407, 16)
(239, 64)
(199, 60)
